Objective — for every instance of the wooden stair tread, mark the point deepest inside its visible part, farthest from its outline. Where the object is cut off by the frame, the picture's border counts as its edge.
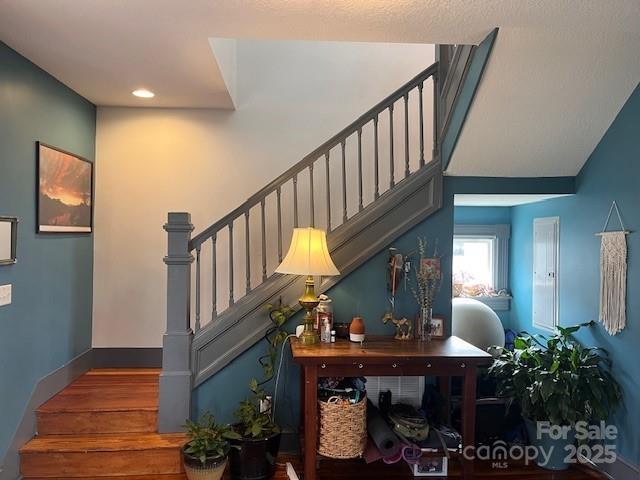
(107, 390)
(103, 443)
(175, 476)
(123, 371)
(95, 403)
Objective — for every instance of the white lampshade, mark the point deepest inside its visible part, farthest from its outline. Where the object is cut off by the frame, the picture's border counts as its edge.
(308, 254)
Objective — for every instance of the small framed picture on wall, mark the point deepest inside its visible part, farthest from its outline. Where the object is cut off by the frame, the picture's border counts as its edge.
(8, 240)
(64, 191)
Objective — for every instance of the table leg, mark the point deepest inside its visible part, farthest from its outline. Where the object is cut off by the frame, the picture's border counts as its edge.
(310, 421)
(468, 418)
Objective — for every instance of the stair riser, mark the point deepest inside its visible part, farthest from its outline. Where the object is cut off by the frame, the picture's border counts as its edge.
(101, 464)
(80, 423)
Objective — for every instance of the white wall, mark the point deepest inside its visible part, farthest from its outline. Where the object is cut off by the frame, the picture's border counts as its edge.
(291, 96)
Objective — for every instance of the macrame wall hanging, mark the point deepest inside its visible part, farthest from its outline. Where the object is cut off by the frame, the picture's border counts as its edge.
(613, 275)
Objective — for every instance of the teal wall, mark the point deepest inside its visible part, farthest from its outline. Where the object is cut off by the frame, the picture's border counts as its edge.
(482, 215)
(485, 216)
(363, 292)
(49, 321)
(611, 173)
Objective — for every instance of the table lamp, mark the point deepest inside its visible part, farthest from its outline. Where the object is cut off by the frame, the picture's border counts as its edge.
(308, 255)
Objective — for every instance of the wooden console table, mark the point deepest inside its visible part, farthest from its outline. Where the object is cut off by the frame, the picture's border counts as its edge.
(384, 356)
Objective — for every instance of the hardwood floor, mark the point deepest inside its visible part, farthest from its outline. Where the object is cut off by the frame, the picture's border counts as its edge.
(102, 427)
(348, 469)
(344, 470)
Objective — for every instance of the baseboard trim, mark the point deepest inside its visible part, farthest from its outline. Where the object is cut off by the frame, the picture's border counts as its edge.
(127, 357)
(45, 388)
(621, 469)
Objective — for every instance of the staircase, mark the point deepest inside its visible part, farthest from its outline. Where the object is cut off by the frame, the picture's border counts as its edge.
(103, 425)
(366, 186)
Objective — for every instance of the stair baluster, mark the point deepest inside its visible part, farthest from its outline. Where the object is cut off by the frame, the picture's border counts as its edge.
(421, 118)
(391, 142)
(214, 278)
(328, 190)
(376, 173)
(263, 221)
(198, 288)
(231, 299)
(407, 170)
(247, 246)
(279, 207)
(343, 146)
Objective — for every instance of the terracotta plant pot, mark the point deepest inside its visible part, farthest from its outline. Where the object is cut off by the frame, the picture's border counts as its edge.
(213, 469)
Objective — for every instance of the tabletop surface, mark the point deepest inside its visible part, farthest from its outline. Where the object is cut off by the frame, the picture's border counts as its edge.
(388, 347)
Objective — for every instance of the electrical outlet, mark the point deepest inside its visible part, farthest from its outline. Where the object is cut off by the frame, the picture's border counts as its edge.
(5, 295)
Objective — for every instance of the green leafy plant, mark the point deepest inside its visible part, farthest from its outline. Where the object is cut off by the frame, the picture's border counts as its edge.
(207, 439)
(254, 421)
(556, 379)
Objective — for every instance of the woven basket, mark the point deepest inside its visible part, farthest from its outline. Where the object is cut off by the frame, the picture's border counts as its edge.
(343, 429)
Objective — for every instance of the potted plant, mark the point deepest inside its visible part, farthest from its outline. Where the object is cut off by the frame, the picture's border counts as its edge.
(205, 453)
(259, 435)
(557, 380)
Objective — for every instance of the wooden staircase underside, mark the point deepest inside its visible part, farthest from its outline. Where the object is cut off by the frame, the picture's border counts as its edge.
(103, 425)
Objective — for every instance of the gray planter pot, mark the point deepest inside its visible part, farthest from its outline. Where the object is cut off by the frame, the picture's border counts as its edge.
(555, 450)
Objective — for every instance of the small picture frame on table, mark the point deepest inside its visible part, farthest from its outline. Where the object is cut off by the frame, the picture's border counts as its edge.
(430, 466)
(438, 326)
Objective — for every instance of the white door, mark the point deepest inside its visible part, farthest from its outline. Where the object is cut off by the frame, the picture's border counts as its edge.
(546, 240)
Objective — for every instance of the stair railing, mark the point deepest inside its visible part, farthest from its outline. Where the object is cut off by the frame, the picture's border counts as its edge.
(176, 376)
(307, 166)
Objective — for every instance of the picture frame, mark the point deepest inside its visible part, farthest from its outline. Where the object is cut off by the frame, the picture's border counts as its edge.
(438, 326)
(64, 191)
(8, 240)
(430, 466)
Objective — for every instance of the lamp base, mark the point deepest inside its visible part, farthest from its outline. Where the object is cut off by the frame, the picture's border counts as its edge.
(309, 338)
(309, 301)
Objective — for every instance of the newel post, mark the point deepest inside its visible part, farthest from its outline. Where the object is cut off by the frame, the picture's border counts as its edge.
(175, 379)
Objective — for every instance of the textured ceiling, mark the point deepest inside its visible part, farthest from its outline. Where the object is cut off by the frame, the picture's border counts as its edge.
(559, 73)
(545, 102)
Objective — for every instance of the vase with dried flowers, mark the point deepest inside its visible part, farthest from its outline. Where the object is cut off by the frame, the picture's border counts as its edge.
(428, 279)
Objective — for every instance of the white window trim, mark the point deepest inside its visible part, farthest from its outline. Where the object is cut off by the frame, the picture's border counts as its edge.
(501, 233)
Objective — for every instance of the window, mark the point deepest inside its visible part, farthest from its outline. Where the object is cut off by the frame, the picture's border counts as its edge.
(545, 272)
(480, 263)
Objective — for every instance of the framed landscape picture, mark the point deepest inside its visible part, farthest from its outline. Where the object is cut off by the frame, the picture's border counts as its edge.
(64, 192)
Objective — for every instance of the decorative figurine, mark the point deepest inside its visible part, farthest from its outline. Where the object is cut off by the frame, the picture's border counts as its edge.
(403, 326)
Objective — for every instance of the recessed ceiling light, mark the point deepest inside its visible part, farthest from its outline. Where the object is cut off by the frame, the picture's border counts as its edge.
(143, 93)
